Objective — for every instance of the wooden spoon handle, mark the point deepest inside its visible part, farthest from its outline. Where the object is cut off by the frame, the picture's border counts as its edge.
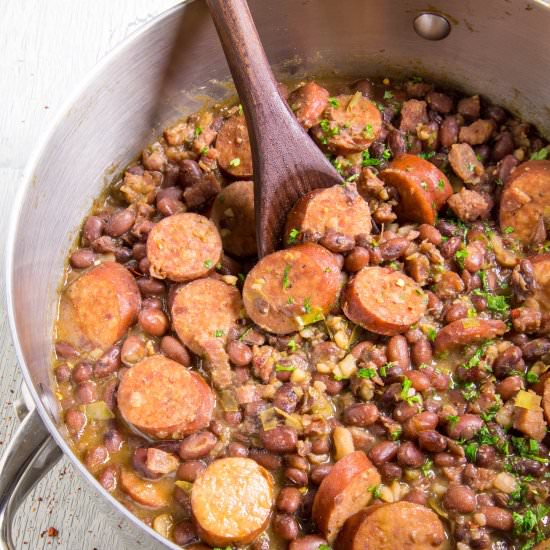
(247, 61)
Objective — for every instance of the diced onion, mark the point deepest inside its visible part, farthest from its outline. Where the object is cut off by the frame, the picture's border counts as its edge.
(528, 400)
(98, 411)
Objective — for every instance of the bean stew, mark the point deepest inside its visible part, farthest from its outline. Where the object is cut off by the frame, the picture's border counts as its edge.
(381, 382)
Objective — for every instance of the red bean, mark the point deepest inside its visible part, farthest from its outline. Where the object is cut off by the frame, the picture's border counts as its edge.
(190, 470)
(237, 449)
(432, 441)
(416, 496)
(150, 287)
(384, 451)
(410, 456)
(82, 258)
(319, 472)
(280, 440)
(460, 498)
(285, 526)
(393, 248)
(239, 353)
(120, 222)
(86, 393)
(93, 229)
(175, 350)
(398, 352)
(419, 423)
(266, 459)
(133, 350)
(75, 421)
(184, 532)
(508, 387)
(139, 251)
(357, 259)
(153, 321)
(309, 542)
(95, 457)
(466, 427)
(108, 363)
(289, 500)
(82, 372)
(113, 440)
(296, 476)
(429, 233)
(420, 382)
(190, 173)
(448, 131)
(337, 242)
(63, 373)
(497, 518)
(108, 477)
(197, 445)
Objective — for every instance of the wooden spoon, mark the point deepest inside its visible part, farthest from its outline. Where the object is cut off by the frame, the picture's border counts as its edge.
(287, 163)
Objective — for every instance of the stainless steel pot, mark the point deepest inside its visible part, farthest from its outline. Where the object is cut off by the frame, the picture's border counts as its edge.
(499, 48)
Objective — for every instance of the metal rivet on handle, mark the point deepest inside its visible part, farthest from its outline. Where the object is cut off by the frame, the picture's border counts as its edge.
(432, 26)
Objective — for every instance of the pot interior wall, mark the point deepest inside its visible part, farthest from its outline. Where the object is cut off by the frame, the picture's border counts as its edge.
(498, 48)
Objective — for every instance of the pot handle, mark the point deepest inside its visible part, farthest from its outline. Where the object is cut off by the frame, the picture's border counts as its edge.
(31, 453)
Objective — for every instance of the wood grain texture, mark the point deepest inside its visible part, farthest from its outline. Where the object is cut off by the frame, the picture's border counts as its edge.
(45, 49)
(287, 164)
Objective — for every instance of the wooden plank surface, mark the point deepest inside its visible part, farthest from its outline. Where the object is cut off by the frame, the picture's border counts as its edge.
(46, 47)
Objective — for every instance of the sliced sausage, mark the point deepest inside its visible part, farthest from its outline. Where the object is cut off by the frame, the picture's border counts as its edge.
(232, 501)
(343, 492)
(183, 247)
(396, 526)
(525, 201)
(163, 399)
(383, 301)
(413, 113)
(530, 422)
(546, 400)
(468, 331)
(465, 163)
(541, 268)
(544, 545)
(203, 313)
(477, 133)
(293, 287)
(153, 494)
(339, 208)
(423, 188)
(233, 214)
(308, 103)
(470, 205)
(351, 124)
(98, 308)
(233, 147)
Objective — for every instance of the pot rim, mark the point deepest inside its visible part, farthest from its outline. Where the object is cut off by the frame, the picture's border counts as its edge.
(13, 224)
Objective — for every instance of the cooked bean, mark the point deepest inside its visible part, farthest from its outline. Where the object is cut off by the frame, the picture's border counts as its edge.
(398, 352)
(448, 131)
(460, 498)
(439, 102)
(239, 353)
(168, 206)
(82, 372)
(508, 387)
(420, 381)
(286, 398)
(63, 373)
(432, 441)
(190, 173)
(237, 449)
(120, 222)
(309, 542)
(445, 460)
(450, 247)
(421, 352)
(536, 348)
(384, 451)
(393, 248)
(390, 471)
(337, 242)
(396, 142)
(455, 312)
(108, 477)
(133, 350)
(419, 423)
(507, 361)
(285, 526)
(357, 259)
(486, 456)
(503, 146)
(190, 470)
(184, 532)
(93, 229)
(266, 459)
(197, 445)
(497, 518)
(281, 439)
(465, 427)
(75, 421)
(113, 440)
(82, 258)
(416, 496)
(318, 473)
(65, 350)
(86, 393)
(360, 414)
(410, 456)
(153, 321)
(334, 387)
(429, 233)
(108, 363)
(95, 457)
(296, 476)
(151, 287)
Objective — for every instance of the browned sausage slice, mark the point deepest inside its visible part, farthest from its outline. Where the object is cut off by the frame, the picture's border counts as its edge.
(339, 208)
(308, 103)
(351, 124)
(163, 399)
(152, 494)
(525, 201)
(383, 301)
(183, 247)
(233, 146)
(468, 331)
(203, 312)
(423, 188)
(292, 287)
(544, 545)
(232, 501)
(541, 267)
(396, 526)
(98, 308)
(233, 214)
(546, 400)
(343, 492)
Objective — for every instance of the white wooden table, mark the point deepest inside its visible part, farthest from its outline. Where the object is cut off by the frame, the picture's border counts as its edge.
(46, 47)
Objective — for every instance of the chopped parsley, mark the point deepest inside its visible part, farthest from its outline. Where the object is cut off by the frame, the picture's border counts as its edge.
(366, 372)
(478, 354)
(235, 162)
(541, 154)
(431, 334)
(452, 419)
(426, 468)
(284, 368)
(375, 490)
(532, 377)
(384, 369)
(407, 392)
(204, 151)
(307, 305)
(427, 156)
(324, 547)
(388, 95)
(490, 413)
(441, 185)
(368, 131)
(219, 333)
(509, 229)
(469, 392)
(293, 236)
(198, 131)
(367, 160)
(292, 345)
(460, 256)
(208, 264)
(286, 280)
(495, 302)
(240, 109)
(386, 155)
(470, 450)
(531, 524)
(333, 102)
